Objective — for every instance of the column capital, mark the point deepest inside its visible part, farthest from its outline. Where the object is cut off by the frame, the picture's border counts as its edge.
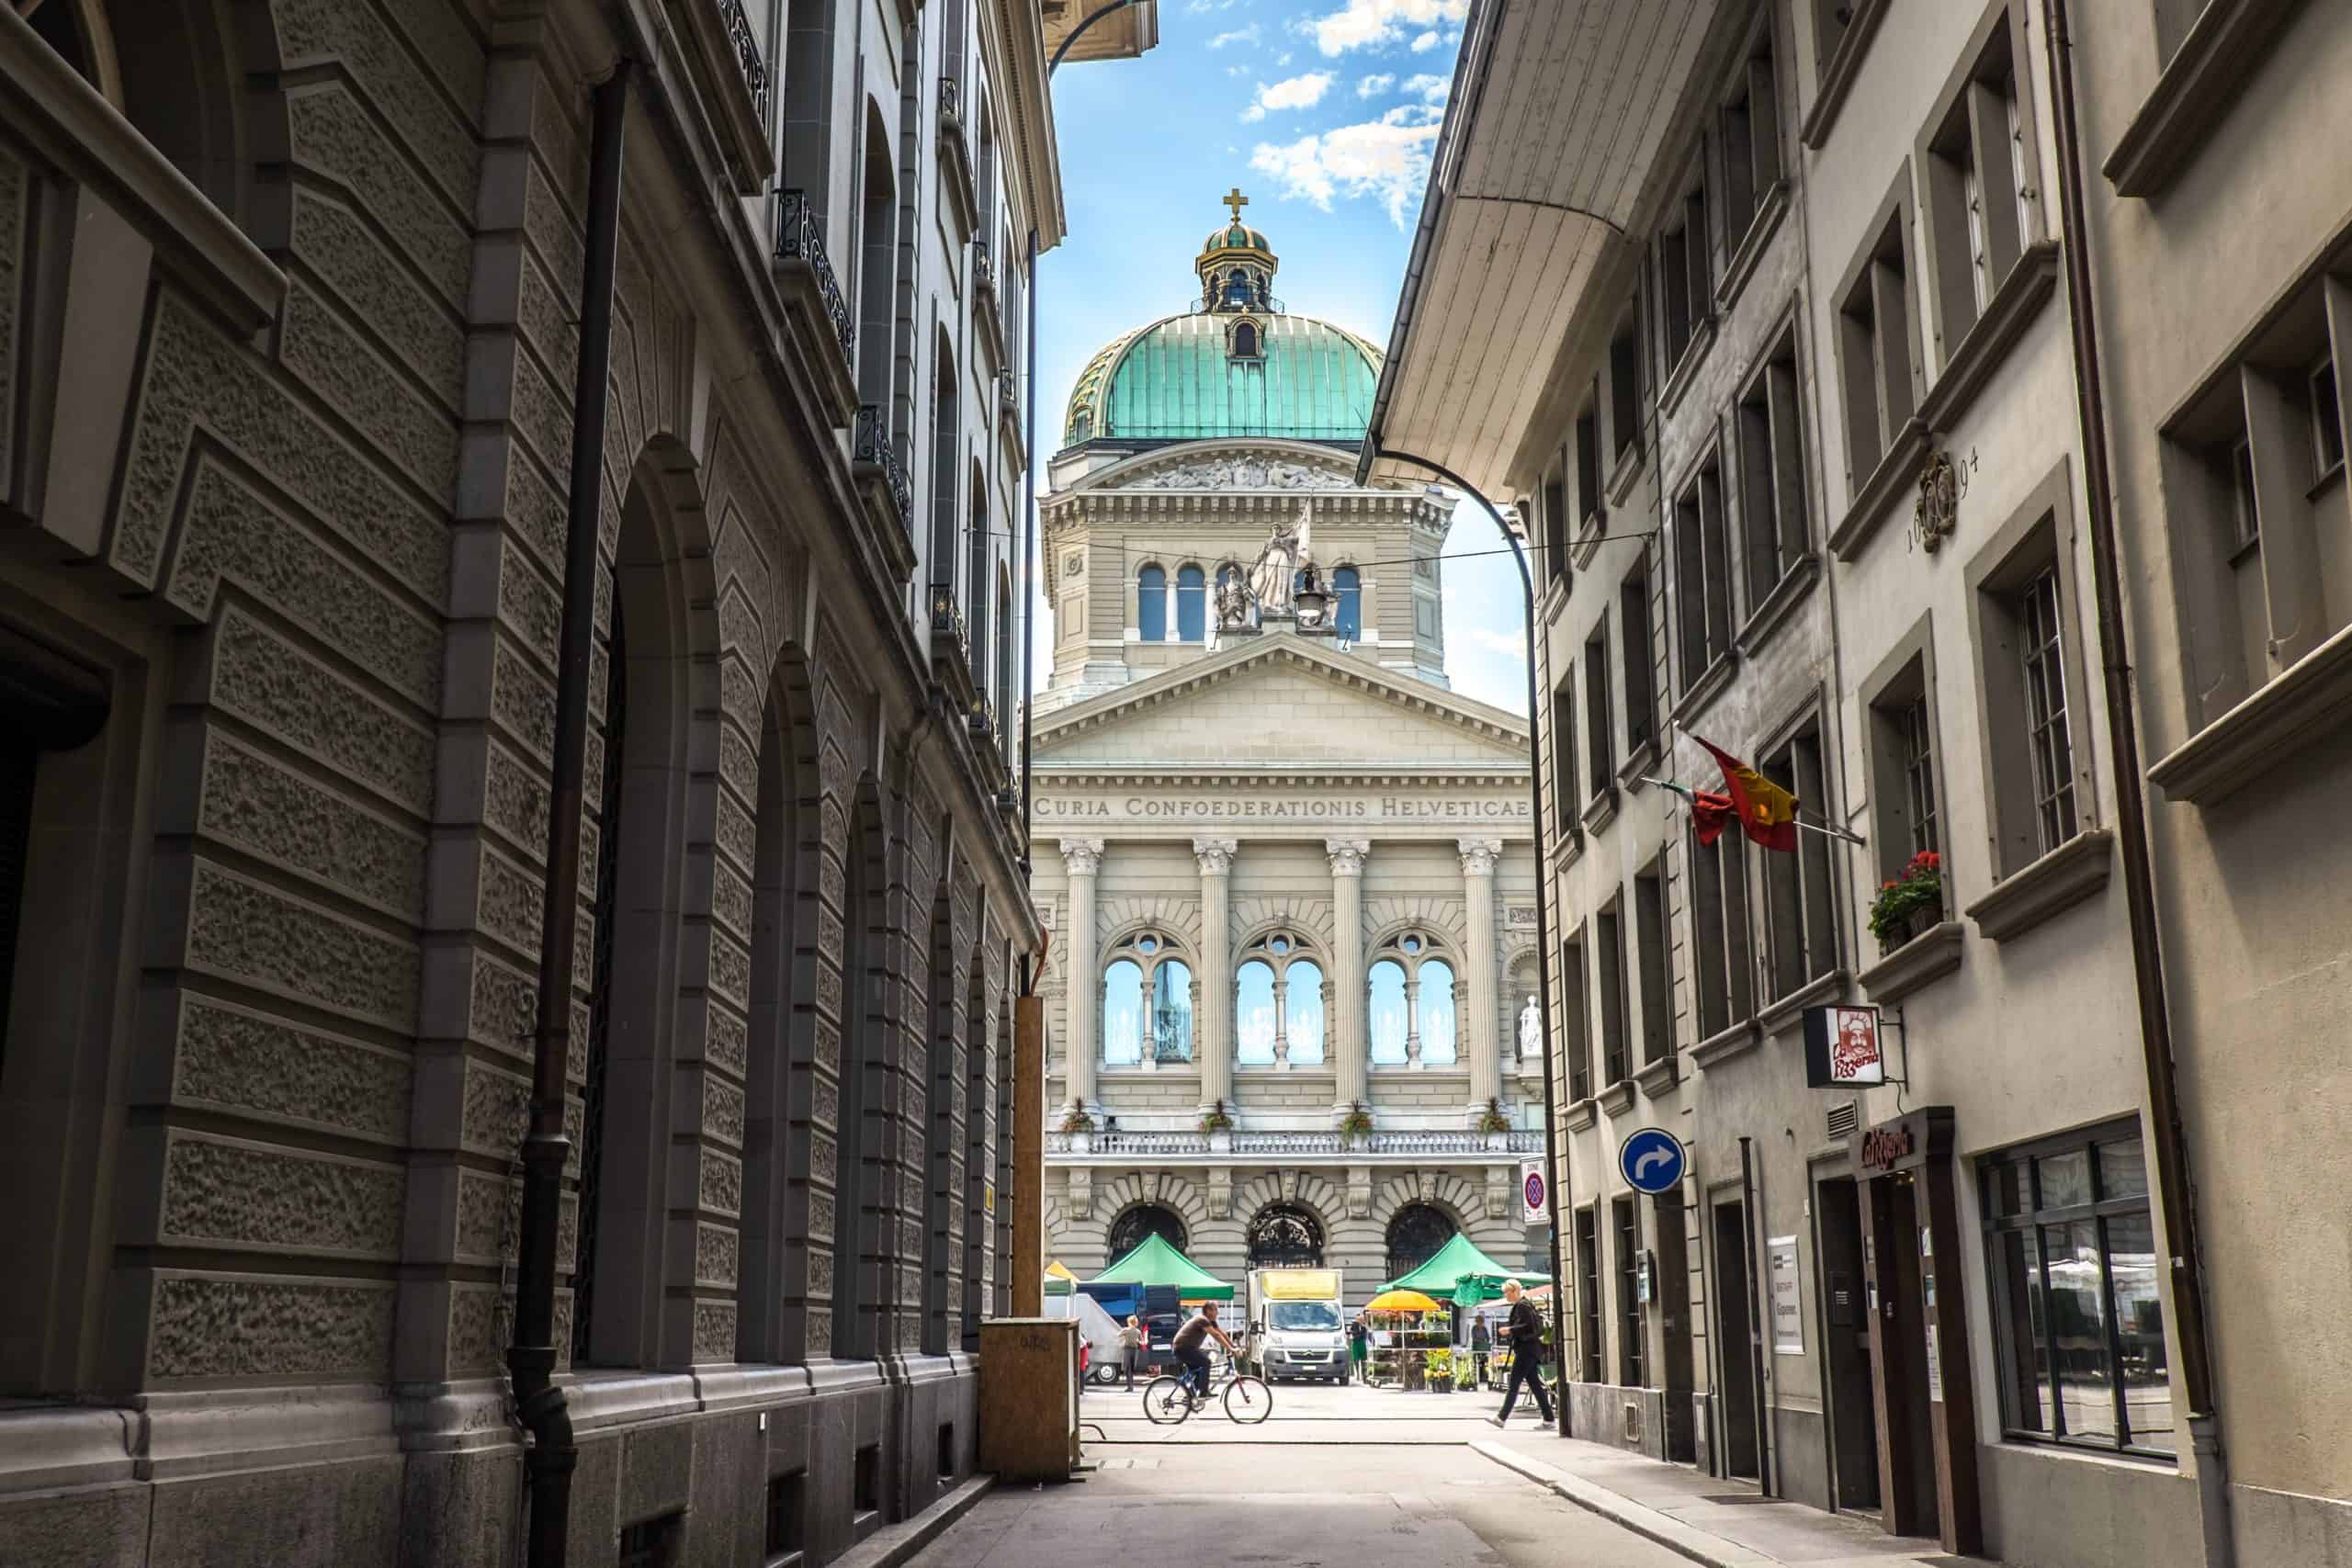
(1478, 855)
(1082, 856)
(1215, 855)
(1347, 855)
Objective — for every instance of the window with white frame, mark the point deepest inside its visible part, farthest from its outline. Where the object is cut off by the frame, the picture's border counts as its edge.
(1773, 527)
(1876, 331)
(1701, 575)
(1977, 173)
(2254, 478)
(1412, 1002)
(1800, 912)
(1278, 1008)
(1147, 1003)
(2031, 679)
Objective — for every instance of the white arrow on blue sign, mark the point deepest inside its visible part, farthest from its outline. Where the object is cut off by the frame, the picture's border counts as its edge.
(1650, 1160)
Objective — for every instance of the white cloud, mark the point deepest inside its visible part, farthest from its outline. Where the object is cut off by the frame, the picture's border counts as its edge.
(1387, 159)
(1511, 645)
(1377, 24)
(1373, 86)
(1425, 42)
(1282, 59)
(1429, 89)
(1250, 34)
(1290, 93)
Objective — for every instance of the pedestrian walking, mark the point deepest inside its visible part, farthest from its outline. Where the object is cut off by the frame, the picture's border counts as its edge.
(1524, 1331)
(1131, 1348)
(1359, 1349)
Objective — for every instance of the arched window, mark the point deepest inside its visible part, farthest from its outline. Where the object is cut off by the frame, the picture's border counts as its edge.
(1253, 1013)
(1081, 426)
(1151, 604)
(166, 66)
(1387, 1013)
(1142, 1222)
(1348, 589)
(1416, 1233)
(1172, 1011)
(1437, 1010)
(1192, 606)
(1245, 341)
(1302, 1010)
(1284, 1236)
(1122, 1012)
(1237, 290)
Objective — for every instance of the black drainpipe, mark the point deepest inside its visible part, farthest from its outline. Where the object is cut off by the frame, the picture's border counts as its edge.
(2172, 1178)
(532, 1357)
(1751, 1222)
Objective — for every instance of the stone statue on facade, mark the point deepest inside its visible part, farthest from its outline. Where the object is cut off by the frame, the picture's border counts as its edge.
(1530, 1032)
(1275, 572)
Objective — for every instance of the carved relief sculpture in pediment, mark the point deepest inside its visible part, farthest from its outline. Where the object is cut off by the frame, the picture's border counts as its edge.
(1239, 473)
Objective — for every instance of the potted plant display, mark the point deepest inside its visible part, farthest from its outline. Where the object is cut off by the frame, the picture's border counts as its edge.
(1218, 1122)
(1356, 1125)
(1080, 1128)
(1495, 1125)
(1437, 1367)
(1910, 904)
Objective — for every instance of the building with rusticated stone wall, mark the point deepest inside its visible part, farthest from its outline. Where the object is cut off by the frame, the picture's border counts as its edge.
(291, 344)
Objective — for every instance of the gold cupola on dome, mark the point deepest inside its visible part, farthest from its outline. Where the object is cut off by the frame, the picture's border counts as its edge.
(1235, 266)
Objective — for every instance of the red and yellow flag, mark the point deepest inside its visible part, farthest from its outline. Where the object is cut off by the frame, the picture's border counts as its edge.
(1767, 814)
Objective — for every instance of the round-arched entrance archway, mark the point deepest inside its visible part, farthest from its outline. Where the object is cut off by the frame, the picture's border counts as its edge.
(1416, 1233)
(1284, 1236)
(1140, 1224)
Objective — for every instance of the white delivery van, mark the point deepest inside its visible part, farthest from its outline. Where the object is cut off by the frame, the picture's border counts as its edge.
(1301, 1330)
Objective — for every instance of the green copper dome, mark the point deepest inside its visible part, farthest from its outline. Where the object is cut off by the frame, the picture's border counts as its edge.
(1235, 237)
(1181, 379)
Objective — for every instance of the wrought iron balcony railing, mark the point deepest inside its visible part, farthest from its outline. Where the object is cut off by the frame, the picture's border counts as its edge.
(747, 52)
(800, 238)
(870, 443)
(947, 614)
(983, 720)
(1008, 401)
(983, 267)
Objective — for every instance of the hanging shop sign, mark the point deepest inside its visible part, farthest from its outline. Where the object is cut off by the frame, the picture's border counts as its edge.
(1843, 1047)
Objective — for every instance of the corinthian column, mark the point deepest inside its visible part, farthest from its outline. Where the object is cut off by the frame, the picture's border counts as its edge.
(1214, 1039)
(1475, 996)
(1082, 858)
(1349, 1040)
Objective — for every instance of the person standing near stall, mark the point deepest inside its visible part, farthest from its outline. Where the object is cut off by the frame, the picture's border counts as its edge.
(1131, 1346)
(1359, 1348)
(1482, 1345)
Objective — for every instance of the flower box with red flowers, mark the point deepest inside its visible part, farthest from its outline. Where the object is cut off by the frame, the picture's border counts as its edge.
(1910, 904)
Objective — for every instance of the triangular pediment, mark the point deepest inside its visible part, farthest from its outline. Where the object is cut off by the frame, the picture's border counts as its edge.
(1280, 700)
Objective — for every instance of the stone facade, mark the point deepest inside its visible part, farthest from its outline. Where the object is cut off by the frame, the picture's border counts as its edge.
(1291, 797)
(289, 355)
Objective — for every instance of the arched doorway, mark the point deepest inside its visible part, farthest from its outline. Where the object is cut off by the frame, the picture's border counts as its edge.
(1142, 1222)
(1284, 1236)
(1416, 1233)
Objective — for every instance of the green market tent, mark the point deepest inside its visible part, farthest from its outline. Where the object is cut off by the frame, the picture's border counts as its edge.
(1157, 1263)
(1461, 1274)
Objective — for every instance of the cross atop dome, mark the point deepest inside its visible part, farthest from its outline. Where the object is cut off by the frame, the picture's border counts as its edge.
(1236, 263)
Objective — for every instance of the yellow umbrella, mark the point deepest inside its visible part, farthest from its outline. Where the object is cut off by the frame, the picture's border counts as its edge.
(1401, 1301)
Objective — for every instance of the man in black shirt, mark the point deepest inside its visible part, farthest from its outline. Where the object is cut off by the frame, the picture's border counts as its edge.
(1188, 1346)
(1523, 1331)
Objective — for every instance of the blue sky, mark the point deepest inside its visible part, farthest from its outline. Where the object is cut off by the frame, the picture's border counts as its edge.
(1324, 113)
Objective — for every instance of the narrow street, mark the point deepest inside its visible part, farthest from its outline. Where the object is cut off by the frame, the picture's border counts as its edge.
(1361, 1478)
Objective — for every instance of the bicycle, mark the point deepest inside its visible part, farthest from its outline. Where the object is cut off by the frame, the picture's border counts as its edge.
(1169, 1401)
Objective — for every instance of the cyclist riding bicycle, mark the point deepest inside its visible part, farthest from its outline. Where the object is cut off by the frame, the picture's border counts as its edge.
(1188, 1347)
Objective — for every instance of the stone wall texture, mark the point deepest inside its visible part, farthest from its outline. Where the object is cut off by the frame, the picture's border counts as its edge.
(291, 448)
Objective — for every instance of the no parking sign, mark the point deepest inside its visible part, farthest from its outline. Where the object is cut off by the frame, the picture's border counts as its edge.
(1532, 1191)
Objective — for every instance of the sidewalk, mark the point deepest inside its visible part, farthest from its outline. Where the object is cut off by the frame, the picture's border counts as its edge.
(1673, 1505)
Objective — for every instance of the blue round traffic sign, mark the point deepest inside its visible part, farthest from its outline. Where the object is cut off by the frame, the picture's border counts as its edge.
(1650, 1160)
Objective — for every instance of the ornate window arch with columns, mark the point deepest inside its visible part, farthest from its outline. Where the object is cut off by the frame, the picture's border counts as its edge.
(1280, 1004)
(1148, 1000)
(1413, 984)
